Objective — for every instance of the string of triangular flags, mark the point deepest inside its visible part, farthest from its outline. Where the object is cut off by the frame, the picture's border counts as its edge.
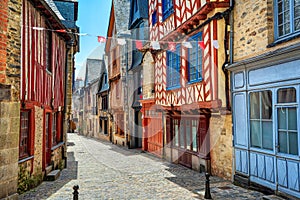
(156, 45)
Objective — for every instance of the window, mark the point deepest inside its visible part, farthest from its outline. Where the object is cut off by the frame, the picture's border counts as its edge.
(104, 103)
(261, 131)
(287, 121)
(24, 148)
(120, 124)
(54, 129)
(173, 68)
(167, 8)
(185, 133)
(114, 57)
(287, 18)
(195, 60)
(154, 17)
(48, 51)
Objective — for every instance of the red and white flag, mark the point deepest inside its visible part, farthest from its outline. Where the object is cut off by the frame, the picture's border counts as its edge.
(172, 46)
(101, 39)
(201, 45)
(138, 44)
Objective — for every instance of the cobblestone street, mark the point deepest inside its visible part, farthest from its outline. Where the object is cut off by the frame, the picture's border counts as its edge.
(106, 171)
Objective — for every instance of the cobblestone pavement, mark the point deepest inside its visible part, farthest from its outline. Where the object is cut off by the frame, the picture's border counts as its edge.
(106, 171)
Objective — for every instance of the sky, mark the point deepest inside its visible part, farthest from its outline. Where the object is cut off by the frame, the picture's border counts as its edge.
(93, 17)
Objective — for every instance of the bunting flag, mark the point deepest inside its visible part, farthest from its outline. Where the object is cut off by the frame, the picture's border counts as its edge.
(172, 46)
(216, 44)
(201, 44)
(121, 41)
(138, 44)
(101, 39)
(155, 45)
(61, 31)
(38, 28)
(187, 45)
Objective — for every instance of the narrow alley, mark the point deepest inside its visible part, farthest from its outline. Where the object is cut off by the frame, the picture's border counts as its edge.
(106, 171)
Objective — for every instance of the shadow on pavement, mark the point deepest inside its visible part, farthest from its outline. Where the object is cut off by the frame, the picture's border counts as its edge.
(48, 188)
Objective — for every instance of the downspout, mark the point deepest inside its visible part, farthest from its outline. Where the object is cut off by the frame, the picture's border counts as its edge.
(231, 62)
(225, 71)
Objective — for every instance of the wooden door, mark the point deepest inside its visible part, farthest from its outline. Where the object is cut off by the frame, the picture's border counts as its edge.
(155, 136)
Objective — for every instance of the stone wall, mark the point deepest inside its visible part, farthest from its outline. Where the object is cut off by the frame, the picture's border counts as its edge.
(253, 29)
(10, 46)
(38, 140)
(9, 151)
(221, 145)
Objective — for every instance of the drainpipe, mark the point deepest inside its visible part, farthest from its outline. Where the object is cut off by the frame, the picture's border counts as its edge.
(231, 62)
(69, 47)
(225, 71)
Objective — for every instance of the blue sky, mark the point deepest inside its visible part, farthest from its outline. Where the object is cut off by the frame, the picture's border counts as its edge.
(93, 16)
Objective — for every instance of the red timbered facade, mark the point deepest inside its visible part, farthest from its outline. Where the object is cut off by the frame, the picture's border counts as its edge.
(189, 84)
(46, 64)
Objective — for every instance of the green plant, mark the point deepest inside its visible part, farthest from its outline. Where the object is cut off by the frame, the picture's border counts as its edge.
(26, 181)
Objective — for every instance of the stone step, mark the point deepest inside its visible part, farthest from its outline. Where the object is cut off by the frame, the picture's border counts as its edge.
(48, 169)
(272, 197)
(52, 176)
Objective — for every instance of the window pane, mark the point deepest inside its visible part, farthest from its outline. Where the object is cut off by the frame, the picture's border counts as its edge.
(279, 6)
(282, 142)
(255, 134)
(297, 24)
(281, 118)
(267, 135)
(292, 116)
(176, 134)
(286, 27)
(254, 105)
(286, 95)
(266, 104)
(297, 11)
(194, 132)
(286, 4)
(188, 134)
(296, 2)
(293, 143)
(182, 136)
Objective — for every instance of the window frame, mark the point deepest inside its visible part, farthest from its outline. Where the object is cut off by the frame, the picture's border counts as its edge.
(182, 133)
(286, 105)
(291, 11)
(199, 66)
(261, 120)
(54, 131)
(30, 147)
(173, 72)
(167, 8)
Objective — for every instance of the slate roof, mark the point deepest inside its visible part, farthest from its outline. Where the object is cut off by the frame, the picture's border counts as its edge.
(93, 69)
(142, 12)
(54, 8)
(69, 11)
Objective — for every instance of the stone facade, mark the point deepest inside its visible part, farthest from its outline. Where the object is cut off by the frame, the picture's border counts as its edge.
(252, 35)
(10, 58)
(221, 145)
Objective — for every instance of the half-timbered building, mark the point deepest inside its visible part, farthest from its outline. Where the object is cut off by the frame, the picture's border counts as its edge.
(118, 60)
(46, 85)
(191, 85)
(265, 93)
